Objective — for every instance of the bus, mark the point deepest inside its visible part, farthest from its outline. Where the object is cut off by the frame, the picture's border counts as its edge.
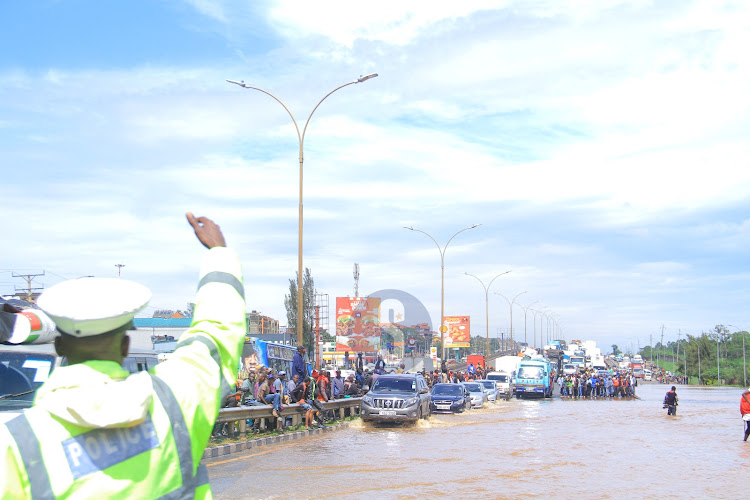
(257, 353)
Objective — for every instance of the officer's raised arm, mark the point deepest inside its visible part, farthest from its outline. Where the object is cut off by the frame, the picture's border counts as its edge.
(207, 231)
(203, 368)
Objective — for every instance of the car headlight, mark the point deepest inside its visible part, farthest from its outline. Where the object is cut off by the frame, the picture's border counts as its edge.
(367, 400)
(410, 401)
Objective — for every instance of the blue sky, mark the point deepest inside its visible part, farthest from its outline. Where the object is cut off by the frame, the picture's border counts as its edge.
(602, 146)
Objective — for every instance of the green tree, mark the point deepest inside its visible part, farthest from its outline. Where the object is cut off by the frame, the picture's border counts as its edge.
(615, 349)
(308, 309)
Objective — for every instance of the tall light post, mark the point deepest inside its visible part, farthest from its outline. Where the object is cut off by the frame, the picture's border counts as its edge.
(301, 138)
(539, 312)
(443, 328)
(487, 305)
(551, 320)
(510, 304)
(526, 310)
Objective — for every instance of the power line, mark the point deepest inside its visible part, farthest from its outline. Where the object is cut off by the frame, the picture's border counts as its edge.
(31, 291)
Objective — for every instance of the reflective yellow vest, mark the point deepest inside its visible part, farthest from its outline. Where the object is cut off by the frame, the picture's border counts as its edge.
(96, 431)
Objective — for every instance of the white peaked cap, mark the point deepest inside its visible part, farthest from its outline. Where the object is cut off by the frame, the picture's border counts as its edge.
(91, 306)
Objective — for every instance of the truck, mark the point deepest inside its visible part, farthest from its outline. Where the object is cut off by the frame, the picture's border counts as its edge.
(533, 378)
(475, 359)
(504, 381)
(579, 360)
(637, 369)
(506, 364)
(598, 363)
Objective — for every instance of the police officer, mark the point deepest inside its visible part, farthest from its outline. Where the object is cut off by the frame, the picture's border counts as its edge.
(97, 431)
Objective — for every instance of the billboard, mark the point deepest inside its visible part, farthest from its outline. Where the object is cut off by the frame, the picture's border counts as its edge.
(459, 333)
(357, 321)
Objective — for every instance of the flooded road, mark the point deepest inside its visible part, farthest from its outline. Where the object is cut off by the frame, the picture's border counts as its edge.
(546, 449)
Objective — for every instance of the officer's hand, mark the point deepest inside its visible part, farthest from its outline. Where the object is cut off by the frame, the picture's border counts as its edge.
(207, 231)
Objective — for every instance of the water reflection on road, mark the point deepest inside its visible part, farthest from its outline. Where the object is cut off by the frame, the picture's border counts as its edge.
(547, 449)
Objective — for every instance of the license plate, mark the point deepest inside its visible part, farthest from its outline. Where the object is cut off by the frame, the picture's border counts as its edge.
(443, 407)
(387, 413)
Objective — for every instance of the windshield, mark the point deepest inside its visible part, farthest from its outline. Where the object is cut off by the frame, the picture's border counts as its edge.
(473, 387)
(530, 372)
(501, 378)
(489, 384)
(448, 390)
(383, 384)
(21, 374)
(569, 367)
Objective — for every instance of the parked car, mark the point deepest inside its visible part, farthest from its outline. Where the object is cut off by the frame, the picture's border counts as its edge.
(452, 398)
(476, 393)
(490, 387)
(396, 398)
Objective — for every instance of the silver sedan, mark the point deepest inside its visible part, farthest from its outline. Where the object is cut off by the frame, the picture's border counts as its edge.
(490, 388)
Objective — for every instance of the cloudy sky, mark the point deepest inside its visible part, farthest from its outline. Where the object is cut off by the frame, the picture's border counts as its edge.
(602, 146)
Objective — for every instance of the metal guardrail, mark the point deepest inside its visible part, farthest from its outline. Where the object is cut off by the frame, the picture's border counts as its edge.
(242, 413)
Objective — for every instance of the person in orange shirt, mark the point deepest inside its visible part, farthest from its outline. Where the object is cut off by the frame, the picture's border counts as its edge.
(745, 411)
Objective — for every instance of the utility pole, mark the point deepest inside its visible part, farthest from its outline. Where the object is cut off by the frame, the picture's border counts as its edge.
(661, 345)
(356, 279)
(29, 291)
(677, 360)
(651, 347)
(119, 269)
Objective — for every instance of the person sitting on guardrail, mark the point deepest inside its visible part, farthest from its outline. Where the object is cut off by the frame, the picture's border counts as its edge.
(280, 387)
(350, 387)
(264, 394)
(337, 386)
(308, 398)
(297, 394)
(291, 386)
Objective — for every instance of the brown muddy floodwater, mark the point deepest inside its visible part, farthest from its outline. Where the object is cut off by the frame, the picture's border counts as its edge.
(515, 449)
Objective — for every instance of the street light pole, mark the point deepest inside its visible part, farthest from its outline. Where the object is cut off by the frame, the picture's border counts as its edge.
(525, 311)
(487, 305)
(301, 138)
(443, 328)
(510, 304)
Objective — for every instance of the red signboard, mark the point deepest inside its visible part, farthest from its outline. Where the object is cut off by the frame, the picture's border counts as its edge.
(358, 320)
(459, 332)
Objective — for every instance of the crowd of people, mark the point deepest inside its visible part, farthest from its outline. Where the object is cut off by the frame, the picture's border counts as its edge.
(264, 387)
(597, 386)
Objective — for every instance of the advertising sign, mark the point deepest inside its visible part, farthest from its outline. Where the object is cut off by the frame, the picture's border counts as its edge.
(458, 331)
(357, 320)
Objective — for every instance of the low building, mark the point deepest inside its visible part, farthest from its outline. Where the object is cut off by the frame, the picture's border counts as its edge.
(257, 325)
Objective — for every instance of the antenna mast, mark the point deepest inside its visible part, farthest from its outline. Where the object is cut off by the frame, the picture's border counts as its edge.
(356, 279)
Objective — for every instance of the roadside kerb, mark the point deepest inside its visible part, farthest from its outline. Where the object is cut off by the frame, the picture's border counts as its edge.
(241, 414)
(228, 449)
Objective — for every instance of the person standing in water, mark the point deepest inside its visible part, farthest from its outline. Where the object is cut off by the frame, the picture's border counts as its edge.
(745, 411)
(670, 401)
